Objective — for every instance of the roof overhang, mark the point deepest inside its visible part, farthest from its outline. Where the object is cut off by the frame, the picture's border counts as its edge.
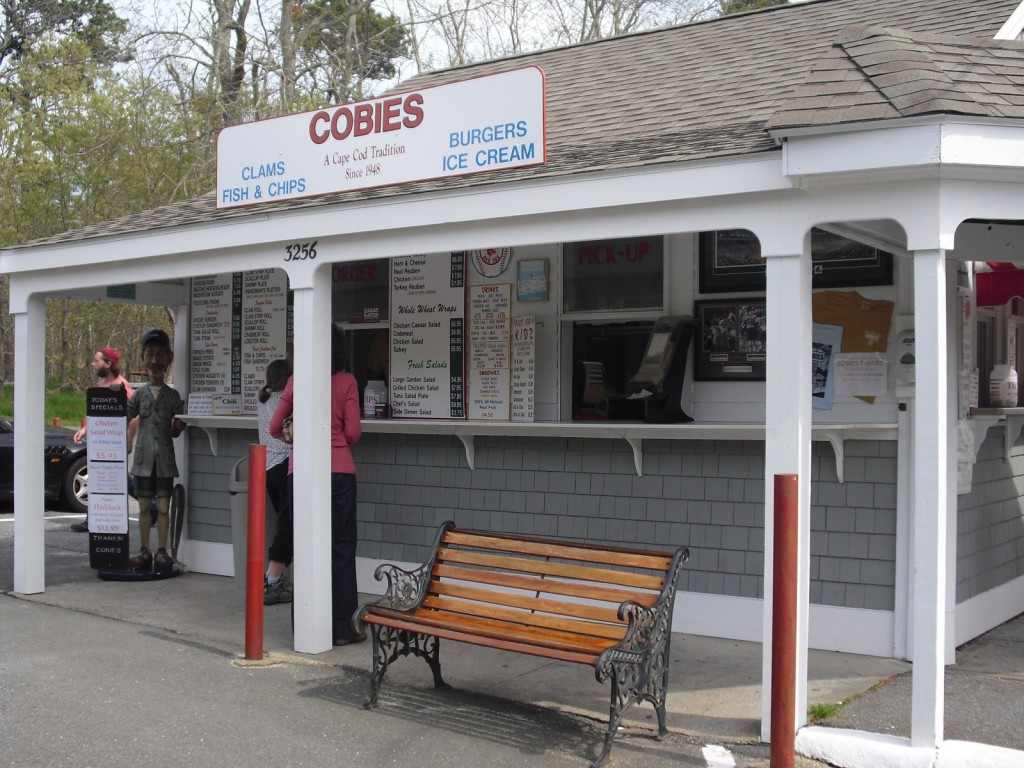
(940, 146)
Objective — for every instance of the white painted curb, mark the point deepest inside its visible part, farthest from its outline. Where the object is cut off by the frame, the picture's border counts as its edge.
(861, 749)
(967, 754)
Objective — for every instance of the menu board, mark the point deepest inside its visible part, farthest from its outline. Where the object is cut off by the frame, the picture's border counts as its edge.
(524, 355)
(428, 303)
(490, 367)
(106, 412)
(239, 325)
(211, 333)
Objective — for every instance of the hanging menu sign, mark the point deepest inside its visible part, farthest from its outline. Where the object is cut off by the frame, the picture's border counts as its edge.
(489, 369)
(523, 364)
(211, 334)
(264, 324)
(239, 325)
(428, 303)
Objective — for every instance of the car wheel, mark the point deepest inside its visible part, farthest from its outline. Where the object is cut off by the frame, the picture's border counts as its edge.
(76, 486)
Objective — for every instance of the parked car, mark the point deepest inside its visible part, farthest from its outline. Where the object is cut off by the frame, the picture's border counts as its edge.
(66, 476)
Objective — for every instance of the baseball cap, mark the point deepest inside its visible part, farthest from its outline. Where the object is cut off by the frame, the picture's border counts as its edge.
(111, 355)
(156, 336)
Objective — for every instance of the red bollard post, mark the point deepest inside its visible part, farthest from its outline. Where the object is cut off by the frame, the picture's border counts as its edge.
(254, 552)
(784, 610)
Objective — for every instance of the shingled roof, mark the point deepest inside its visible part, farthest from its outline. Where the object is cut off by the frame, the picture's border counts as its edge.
(879, 74)
(704, 90)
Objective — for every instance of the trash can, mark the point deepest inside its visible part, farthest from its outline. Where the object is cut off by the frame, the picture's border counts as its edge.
(238, 488)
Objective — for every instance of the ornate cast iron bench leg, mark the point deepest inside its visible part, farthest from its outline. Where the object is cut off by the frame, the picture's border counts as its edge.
(390, 643)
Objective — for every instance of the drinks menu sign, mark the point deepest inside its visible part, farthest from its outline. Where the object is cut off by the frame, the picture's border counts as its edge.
(489, 370)
(428, 308)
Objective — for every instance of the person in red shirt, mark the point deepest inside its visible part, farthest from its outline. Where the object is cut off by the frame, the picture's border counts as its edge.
(346, 429)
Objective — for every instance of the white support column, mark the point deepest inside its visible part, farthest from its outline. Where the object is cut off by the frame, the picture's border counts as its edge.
(788, 448)
(181, 372)
(29, 417)
(931, 501)
(311, 503)
(952, 340)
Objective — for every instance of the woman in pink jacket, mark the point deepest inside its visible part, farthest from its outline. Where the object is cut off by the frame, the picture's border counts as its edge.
(346, 429)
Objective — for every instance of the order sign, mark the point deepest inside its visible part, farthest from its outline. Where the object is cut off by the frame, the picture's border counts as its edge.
(487, 123)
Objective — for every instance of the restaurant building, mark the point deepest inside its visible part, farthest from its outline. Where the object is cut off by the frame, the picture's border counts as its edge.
(671, 266)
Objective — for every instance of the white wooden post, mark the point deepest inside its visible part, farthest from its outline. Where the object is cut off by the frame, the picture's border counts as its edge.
(787, 447)
(311, 503)
(930, 502)
(29, 417)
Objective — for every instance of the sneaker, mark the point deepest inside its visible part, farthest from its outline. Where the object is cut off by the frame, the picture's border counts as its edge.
(80, 527)
(281, 592)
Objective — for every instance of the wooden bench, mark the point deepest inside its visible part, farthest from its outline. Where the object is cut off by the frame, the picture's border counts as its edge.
(608, 607)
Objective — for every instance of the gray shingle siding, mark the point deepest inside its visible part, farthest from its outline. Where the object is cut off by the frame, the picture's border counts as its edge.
(711, 499)
(990, 522)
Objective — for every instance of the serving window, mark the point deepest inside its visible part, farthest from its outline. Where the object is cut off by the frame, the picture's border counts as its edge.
(614, 275)
(605, 357)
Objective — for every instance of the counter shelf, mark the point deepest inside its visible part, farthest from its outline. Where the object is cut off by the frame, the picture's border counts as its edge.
(634, 433)
(983, 419)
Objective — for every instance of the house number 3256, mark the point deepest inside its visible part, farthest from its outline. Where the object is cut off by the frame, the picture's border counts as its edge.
(300, 251)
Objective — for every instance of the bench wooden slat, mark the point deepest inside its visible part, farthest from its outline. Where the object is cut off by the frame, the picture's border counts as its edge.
(566, 570)
(548, 586)
(505, 645)
(655, 561)
(595, 612)
(613, 632)
(490, 632)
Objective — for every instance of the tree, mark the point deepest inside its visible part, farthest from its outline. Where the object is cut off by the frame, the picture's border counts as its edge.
(453, 32)
(742, 6)
(92, 22)
(87, 148)
(341, 45)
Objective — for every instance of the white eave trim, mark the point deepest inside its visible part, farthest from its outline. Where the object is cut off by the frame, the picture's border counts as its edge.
(1012, 28)
(576, 195)
(921, 146)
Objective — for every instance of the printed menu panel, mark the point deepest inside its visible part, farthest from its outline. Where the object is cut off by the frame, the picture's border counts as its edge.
(524, 355)
(106, 413)
(490, 310)
(428, 304)
(240, 324)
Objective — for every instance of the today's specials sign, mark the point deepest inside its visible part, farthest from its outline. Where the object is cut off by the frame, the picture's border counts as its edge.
(484, 124)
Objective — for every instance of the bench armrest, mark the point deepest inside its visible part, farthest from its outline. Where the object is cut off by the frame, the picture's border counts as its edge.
(405, 589)
(649, 629)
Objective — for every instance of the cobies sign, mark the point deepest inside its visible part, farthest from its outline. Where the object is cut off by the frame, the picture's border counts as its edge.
(484, 124)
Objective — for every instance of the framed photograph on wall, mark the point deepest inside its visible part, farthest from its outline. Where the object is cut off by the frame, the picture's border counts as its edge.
(731, 341)
(730, 260)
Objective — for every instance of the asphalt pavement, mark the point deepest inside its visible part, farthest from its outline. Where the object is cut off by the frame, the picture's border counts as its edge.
(107, 673)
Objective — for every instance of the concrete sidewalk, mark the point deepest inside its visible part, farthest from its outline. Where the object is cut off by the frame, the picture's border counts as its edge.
(715, 684)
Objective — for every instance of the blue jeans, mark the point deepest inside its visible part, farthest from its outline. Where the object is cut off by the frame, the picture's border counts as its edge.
(344, 591)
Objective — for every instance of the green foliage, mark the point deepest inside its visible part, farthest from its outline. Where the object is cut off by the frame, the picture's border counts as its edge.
(62, 403)
(94, 23)
(342, 44)
(818, 712)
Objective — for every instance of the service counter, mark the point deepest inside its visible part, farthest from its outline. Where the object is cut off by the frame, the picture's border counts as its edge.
(634, 433)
